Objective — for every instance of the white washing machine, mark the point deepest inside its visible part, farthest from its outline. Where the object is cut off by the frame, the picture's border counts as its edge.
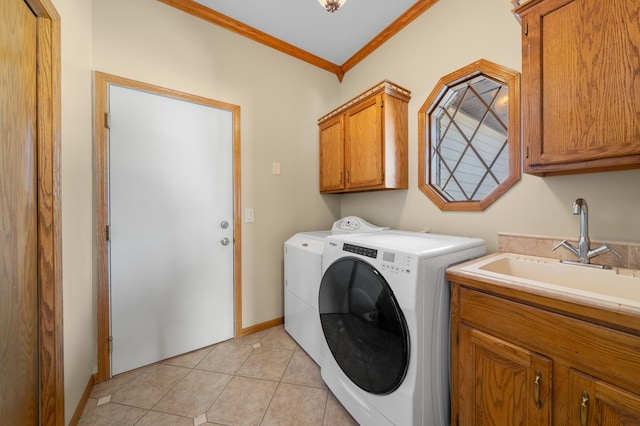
(384, 306)
(302, 274)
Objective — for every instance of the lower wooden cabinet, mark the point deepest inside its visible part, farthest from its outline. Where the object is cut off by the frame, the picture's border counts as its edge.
(596, 402)
(515, 361)
(502, 383)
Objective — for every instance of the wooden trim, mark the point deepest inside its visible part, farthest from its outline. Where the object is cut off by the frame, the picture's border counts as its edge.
(83, 401)
(237, 223)
(260, 327)
(101, 83)
(51, 363)
(102, 196)
(209, 15)
(395, 27)
(506, 77)
(385, 86)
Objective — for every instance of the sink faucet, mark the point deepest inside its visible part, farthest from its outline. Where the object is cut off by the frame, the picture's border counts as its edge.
(583, 251)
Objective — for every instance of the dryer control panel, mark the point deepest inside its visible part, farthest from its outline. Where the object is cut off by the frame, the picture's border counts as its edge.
(354, 225)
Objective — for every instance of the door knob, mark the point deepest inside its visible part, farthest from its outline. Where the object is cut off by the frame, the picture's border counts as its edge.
(225, 241)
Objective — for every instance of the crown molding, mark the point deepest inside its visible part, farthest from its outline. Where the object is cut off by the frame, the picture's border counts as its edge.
(209, 15)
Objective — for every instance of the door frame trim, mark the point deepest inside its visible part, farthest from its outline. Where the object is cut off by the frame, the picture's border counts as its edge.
(101, 86)
(48, 92)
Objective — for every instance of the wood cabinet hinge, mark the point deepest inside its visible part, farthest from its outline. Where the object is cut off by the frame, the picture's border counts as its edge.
(526, 29)
(108, 232)
(110, 344)
(107, 120)
(526, 152)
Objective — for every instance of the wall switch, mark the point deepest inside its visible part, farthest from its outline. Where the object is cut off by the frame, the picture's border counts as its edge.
(248, 215)
(276, 168)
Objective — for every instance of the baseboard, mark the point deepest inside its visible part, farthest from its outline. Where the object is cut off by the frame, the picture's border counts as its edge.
(83, 401)
(260, 327)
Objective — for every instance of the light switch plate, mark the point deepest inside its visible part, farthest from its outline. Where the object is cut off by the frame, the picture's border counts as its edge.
(248, 215)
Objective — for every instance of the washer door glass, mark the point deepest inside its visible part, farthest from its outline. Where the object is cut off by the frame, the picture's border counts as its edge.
(363, 325)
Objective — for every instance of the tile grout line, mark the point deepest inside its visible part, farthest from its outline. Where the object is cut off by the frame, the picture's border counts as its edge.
(191, 364)
(195, 367)
(171, 389)
(275, 391)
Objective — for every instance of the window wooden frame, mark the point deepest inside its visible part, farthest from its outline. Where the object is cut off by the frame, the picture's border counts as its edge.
(500, 74)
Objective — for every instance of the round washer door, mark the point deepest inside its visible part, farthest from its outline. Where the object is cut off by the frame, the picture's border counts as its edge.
(364, 325)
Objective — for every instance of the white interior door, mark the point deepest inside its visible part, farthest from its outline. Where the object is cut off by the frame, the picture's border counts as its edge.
(171, 223)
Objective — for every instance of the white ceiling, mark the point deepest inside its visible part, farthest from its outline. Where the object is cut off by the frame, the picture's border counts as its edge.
(335, 37)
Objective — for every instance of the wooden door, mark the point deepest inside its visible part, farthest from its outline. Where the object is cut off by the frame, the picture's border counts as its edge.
(332, 155)
(31, 362)
(364, 142)
(18, 217)
(594, 402)
(500, 383)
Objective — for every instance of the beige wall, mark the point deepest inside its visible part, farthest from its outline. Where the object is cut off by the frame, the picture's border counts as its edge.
(79, 318)
(281, 99)
(452, 34)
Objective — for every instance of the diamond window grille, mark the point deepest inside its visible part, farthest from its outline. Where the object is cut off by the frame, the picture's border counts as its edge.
(469, 157)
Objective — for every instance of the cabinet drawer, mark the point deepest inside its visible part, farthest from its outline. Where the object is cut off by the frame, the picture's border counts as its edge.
(594, 349)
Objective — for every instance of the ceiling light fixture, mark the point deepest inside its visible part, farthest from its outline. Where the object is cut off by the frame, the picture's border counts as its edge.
(332, 5)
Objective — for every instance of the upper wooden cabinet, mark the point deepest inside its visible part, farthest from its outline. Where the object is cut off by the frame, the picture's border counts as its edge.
(363, 143)
(581, 85)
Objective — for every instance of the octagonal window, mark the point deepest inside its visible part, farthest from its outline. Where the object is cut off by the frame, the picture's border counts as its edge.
(469, 137)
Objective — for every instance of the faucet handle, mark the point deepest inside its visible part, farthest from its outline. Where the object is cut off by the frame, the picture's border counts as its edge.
(614, 251)
(568, 246)
(603, 249)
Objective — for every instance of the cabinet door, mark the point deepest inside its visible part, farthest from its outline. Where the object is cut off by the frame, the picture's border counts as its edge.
(501, 383)
(364, 153)
(594, 402)
(580, 85)
(332, 155)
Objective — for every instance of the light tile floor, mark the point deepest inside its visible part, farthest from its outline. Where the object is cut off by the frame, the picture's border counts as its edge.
(261, 379)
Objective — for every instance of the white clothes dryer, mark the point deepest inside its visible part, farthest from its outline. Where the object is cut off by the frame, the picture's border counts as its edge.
(384, 306)
(302, 274)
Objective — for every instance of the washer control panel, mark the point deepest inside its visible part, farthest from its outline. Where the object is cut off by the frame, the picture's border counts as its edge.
(396, 262)
(364, 251)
